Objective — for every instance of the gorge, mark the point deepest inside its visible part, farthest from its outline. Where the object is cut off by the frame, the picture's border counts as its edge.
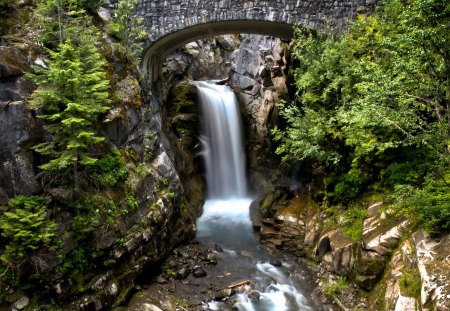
(130, 236)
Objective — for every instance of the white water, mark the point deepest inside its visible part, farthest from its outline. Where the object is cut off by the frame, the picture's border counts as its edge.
(226, 218)
(222, 142)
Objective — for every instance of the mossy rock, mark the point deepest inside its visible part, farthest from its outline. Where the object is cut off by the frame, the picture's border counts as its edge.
(182, 99)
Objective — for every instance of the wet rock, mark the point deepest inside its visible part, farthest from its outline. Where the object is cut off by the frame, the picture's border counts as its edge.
(19, 131)
(164, 165)
(406, 304)
(104, 14)
(20, 304)
(12, 62)
(267, 233)
(149, 307)
(211, 259)
(381, 235)
(224, 294)
(246, 254)
(275, 262)
(336, 249)
(159, 279)
(253, 295)
(182, 273)
(198, 272)
(218, 248)
(373, 209)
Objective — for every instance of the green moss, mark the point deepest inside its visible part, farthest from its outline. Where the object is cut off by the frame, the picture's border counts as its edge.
(182, 98)
(410, 283)
(333, 288)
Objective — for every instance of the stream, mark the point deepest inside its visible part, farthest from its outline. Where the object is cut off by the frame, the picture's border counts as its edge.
(226, 267)
(272, 285)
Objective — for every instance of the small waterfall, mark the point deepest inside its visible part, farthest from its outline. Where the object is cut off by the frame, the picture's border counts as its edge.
(226, 219)
(222, 142)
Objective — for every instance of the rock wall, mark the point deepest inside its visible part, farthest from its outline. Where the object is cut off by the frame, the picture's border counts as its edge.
(19, 129)
(138, 237)
(399, 267)
(255, 67)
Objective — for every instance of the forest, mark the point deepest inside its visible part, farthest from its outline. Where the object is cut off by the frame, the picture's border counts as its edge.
(373, 107)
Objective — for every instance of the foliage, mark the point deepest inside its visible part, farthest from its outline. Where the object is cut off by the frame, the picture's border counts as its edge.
(131, 200)
(26, 228)
(64, 19)
(337, 287)
(373, 106)
(181, 99)
(7, 3)
(410, 283)
(87, 209)
(354, 217)
(72, 94)
(108, 171)
(128, 29)
(429, 205)
(349, 185)
(75, 260)
(349, 218)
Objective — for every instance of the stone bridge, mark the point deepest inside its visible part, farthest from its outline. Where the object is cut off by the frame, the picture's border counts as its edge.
(172, 23)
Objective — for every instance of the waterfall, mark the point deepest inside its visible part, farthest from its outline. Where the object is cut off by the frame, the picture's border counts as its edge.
(222, 142)
(226, 219)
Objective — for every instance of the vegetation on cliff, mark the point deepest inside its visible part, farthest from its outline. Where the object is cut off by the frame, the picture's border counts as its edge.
(373, 107)
(87, 182)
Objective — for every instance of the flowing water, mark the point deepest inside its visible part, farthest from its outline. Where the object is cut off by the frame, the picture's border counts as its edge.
(226, 221)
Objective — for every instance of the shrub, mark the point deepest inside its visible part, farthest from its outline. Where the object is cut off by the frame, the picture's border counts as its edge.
(332, 288)
(429, 206)
(349, 185)
(109, 170)
(410, 283)
(354, 217)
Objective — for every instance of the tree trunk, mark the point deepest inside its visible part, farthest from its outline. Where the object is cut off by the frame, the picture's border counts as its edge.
(59, 4)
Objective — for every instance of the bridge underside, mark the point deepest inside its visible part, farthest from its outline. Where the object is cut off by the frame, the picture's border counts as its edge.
(159, 50)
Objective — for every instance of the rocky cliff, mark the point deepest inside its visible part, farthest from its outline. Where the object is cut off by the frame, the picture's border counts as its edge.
(151, 213)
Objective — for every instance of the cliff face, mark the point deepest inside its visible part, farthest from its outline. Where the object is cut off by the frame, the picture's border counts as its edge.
(153, 211)
(19, 129)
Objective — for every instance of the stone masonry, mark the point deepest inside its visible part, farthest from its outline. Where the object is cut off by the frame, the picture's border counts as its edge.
(172, 23)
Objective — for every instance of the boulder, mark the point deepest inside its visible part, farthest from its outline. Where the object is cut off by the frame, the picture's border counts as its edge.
(20, 304)
(403, 261)
(337, 250)
(406, 304)
(433, 260)
(12, 62)
(381, 235)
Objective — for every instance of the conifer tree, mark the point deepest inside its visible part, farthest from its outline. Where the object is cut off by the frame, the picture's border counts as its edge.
(71, 95)
(62, 19)
(128, 29)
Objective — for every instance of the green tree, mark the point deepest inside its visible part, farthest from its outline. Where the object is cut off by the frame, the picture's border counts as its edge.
(367, 98)
(25, 228)
(128, 29)
(65, 19)
(72, 94)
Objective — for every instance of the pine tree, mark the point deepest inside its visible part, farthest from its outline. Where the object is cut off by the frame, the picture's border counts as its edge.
(62, 19)
(128, 29)
(71, 95)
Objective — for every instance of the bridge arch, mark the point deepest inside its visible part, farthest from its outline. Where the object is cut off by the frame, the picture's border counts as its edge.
(158, 51)
(172, 23)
